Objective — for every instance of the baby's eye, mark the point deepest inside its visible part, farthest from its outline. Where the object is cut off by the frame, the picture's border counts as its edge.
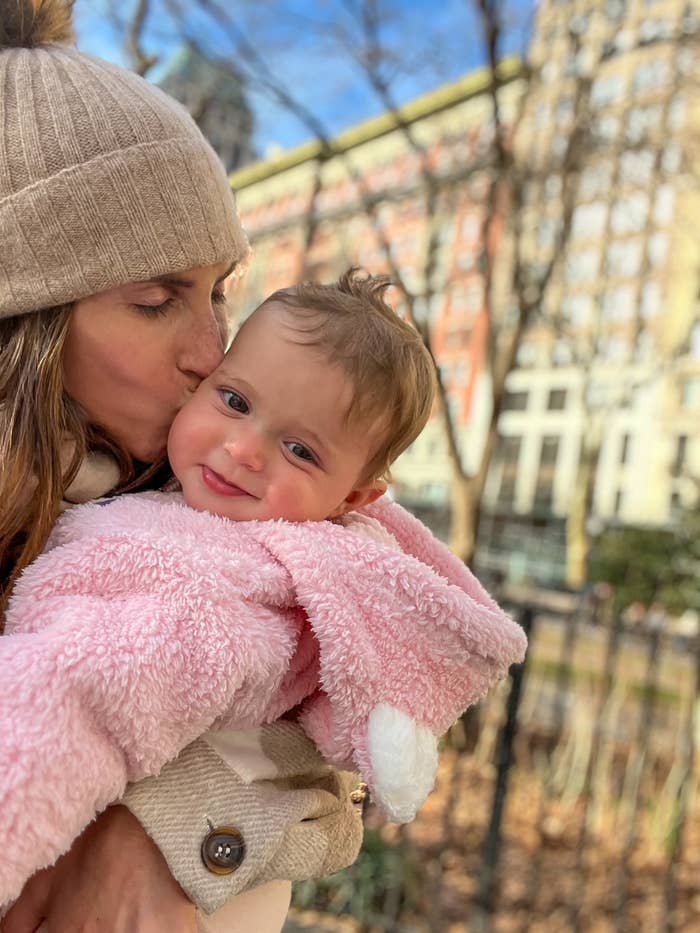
(300, 451)
(235, 401)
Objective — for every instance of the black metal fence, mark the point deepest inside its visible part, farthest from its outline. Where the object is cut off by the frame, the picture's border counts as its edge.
(566, 801)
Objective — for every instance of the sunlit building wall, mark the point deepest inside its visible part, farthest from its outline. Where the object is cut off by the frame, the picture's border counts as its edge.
(626, 291)
(630, 273)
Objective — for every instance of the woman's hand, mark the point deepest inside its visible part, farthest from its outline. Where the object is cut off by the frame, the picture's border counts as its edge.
(114, 879)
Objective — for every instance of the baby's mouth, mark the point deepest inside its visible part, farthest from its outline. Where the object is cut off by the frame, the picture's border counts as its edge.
(222, 487)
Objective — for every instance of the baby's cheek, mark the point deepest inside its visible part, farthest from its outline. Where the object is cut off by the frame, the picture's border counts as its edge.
(289, 500)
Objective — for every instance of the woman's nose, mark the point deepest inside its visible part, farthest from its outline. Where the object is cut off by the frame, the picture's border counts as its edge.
(202, 346)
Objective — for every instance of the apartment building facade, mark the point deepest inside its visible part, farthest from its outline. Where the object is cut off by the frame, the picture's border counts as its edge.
(615, 351)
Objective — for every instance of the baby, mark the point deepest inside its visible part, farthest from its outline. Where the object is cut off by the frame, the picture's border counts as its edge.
(271, 581)
(322, 389)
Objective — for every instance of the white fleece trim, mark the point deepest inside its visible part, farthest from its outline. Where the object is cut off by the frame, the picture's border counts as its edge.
(404, 761)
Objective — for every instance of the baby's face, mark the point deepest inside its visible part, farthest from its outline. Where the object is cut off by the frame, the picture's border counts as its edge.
(264, 436)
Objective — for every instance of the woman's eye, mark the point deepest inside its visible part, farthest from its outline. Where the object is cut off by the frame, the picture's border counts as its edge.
(155, 310)
(300, 451)
(218, 298)
(234, 401)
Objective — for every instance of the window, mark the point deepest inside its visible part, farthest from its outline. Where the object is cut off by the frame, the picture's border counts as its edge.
(663, 204)
(549, 451)
(690, 394)
(561, 354)
(515, 401)
(651, 75)
(618, 303)
(615, 9)
(629, 214)
(672, 159)
(583, 266)
(615, 349)
(686, 60)
(527, 354)
(636, 167)
(624, 258)
(508, 455)
(657, 249)
(607, 127)
(651, 300)
(471, 227)
(510, 449)
(676, 114)
(553, 186)
(596, 179)
(547, 232)
(468, 299)
(565, 110)
(694, 347)
(556, 400)
(466, 260)
(607, 90)
(654, 30)
(542, 116)
(642, 122)
(558, 145)
(646, 348)
(578, 308)
(589, 219)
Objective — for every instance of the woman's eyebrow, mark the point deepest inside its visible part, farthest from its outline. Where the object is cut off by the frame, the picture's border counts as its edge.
(183, 282)
(174, 280)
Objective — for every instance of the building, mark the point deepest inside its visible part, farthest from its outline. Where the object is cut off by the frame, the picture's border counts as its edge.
(216, 98)
(610, 365)
(617, 363)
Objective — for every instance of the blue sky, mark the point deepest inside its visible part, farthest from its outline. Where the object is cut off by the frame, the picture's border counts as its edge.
(433, 41)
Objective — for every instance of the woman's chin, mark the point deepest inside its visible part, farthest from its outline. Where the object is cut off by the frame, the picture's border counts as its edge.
(147, 453)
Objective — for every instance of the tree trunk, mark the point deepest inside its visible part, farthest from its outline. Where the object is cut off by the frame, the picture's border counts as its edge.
(464, 517)
(578, 538)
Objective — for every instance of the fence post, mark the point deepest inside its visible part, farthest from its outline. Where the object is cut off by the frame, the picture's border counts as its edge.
(492, 843)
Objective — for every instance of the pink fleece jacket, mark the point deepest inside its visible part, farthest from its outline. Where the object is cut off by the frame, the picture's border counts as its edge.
(146, 624)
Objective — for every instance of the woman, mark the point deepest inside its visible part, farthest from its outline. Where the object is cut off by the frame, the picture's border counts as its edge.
(118, 231)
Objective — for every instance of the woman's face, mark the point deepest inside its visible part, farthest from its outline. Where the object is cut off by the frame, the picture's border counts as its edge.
(135, 353)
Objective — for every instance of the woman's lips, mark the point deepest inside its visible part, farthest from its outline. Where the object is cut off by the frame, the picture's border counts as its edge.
(219, 485)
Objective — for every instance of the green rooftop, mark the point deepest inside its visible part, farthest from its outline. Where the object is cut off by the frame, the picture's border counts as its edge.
(471, 85)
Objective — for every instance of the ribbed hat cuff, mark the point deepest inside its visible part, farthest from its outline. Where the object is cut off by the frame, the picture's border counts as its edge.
(123, 217)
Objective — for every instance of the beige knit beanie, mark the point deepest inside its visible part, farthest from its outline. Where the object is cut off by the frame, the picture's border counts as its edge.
(104, 179)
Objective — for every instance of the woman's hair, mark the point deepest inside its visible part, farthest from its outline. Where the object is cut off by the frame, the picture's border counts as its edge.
(38, 424)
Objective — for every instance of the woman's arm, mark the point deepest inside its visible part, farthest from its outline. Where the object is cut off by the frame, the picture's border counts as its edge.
(295, 814)
(312, 827)
(113, 879)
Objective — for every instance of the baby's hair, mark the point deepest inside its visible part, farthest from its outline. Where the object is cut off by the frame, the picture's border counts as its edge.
(392, 372)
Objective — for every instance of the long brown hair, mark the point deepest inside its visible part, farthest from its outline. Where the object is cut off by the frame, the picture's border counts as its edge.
(36, 420)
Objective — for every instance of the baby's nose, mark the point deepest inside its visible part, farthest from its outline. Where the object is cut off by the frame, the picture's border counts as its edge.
(247, 452)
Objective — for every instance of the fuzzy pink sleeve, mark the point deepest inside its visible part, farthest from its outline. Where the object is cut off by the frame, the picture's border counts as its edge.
(104, 690)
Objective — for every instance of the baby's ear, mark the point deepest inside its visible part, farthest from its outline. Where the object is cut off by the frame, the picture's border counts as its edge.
(361, 495)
